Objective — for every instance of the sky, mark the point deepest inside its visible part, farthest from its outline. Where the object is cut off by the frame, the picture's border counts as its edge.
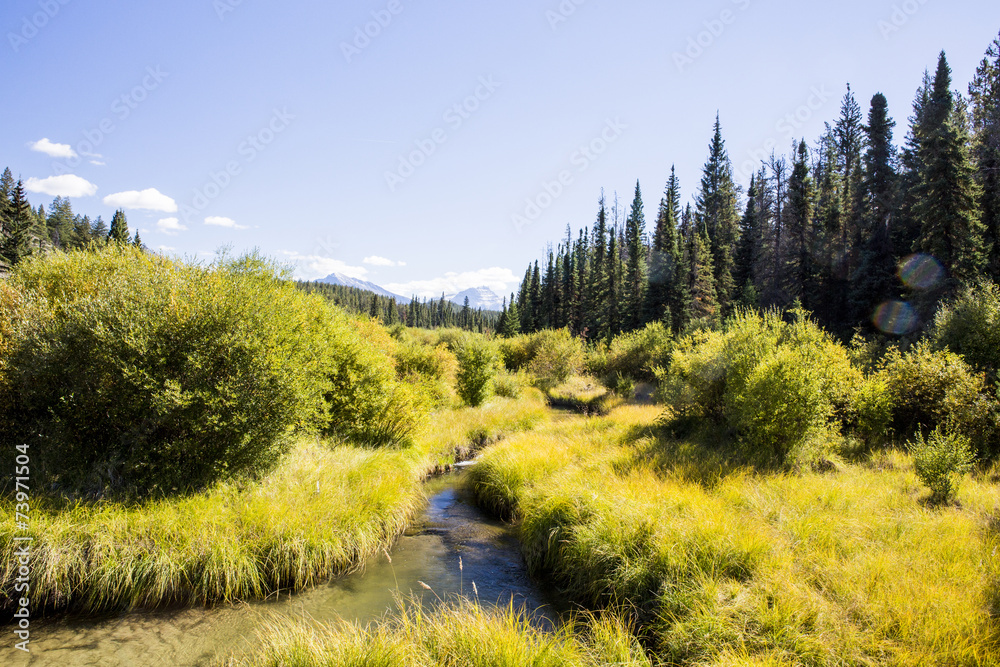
(431, 147)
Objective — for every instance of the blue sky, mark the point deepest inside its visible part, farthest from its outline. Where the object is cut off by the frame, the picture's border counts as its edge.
(430, 147)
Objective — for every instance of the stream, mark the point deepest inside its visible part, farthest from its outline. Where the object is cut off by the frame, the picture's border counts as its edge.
(450, 528)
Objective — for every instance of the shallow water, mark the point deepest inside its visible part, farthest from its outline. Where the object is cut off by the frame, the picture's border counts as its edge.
(450, 528)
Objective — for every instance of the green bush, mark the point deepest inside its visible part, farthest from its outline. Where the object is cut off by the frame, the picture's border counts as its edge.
(129, 373)
(970, 327)
(431, 368)
(779, 387)
(871, 411)
(633, 355)
(517, 352)
(940, 460)
(478, 364)
(558, 356)
(365, 403)
(508, 385)
(930, 388)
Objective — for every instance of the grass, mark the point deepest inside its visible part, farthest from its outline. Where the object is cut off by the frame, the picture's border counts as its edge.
(324, 511)
(462, 633)
(723, 565)
(584, 395)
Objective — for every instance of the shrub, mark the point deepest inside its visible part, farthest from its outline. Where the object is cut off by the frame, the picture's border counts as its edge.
(633, 355)
(130, 373)
(365, 403)
(778, 386)
(432, 368)
(478, 363)
(780, 406)
(930, 388)
(939, 461)
(871, 411)
(558, 356)
(508, 385)
(517, 352)
(970, 327)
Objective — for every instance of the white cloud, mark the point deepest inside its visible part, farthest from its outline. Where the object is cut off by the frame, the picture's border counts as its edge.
(67, 185)
(171, 226)
(216, 221)
(64, 151)
(314, 267)
(499, 280)
(98, 163)
(375, 260)
(150, 199)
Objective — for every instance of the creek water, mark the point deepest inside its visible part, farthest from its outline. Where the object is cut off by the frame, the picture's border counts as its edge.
(450, 528)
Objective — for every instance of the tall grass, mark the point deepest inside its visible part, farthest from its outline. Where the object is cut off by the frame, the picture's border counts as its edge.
(321, 513)
(461, 633)
(852, 567)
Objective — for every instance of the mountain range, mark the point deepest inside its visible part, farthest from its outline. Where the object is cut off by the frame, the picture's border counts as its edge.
(479, 297)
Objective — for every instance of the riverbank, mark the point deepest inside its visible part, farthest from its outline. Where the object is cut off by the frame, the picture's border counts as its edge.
(324, 511)
(726, 565)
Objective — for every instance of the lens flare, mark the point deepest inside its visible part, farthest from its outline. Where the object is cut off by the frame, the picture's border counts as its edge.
(896, 318)
(921, 272)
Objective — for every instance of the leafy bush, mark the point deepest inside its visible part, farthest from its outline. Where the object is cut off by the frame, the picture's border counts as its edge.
(930, 388)
(558, 356)
(780, 387)
(365, 402)
(939, 461)
(633, 355)
(517, 352)
(871, 411)
(432, 368)
(508, 385)
(478, 363)
(130, 373)
(970, 327)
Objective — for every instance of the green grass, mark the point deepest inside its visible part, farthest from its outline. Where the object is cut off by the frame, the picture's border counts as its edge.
(321, 513)
(460, 634)
(722, 565)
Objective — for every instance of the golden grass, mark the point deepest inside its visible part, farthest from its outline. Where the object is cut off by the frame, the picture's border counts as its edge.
(849, 567)
(321, 513)
(462, 634)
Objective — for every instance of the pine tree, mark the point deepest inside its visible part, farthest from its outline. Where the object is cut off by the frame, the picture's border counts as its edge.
(119, 229)
(635, 269)
(875, 279)
(984, 92)
(749, 250)
(16, 244)
(512, 323)
(667, 281)
(906, 228)
(613, 303)
(849, 136)
(717, 207)
(136, 241)
(947, 195)
(800, 270)
(597, 285)
(701, 277)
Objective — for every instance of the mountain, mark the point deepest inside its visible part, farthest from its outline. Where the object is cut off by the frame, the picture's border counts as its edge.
(347, 281)
(479, 297)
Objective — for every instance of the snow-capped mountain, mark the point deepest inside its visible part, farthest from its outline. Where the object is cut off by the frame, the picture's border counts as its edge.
(479, 297)
(347, 281)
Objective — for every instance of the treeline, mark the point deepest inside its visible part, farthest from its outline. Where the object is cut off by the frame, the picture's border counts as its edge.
(853, 229)
(25, 230)
(440, 314)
